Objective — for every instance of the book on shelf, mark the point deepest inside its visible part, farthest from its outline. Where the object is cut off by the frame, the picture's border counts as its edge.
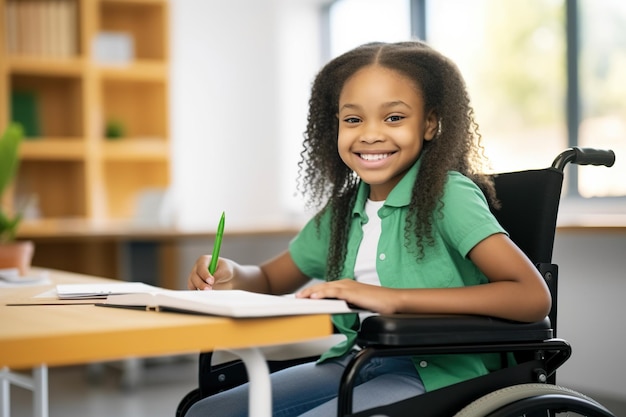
(42, 28)
(25, 110)
(228, 303)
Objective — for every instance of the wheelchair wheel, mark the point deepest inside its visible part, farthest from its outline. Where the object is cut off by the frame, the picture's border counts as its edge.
(188, 400)
(534, 400)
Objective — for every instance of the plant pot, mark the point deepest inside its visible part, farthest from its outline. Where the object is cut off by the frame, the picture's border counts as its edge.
(18, 255)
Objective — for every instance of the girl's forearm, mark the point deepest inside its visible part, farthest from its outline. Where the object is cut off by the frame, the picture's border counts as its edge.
(503, 299)
(246, 277)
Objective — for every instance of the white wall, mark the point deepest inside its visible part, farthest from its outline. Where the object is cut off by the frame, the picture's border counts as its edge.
(241, 72)
(592, 310)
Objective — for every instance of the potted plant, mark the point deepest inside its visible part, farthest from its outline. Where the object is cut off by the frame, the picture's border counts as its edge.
(13, 253)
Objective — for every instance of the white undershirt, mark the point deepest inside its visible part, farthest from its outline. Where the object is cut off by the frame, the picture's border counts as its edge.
(365, 266)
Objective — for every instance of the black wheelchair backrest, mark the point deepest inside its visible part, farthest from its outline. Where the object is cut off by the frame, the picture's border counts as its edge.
(529, 203)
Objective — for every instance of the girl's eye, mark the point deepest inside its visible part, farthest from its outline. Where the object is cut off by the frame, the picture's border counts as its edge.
(395, 118)
(352, 120)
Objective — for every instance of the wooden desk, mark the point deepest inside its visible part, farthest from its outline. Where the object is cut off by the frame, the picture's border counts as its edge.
(54, 335)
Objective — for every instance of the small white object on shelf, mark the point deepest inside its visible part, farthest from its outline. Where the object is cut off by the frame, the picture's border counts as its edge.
(114, 48)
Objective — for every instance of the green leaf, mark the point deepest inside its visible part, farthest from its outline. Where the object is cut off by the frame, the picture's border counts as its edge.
(9, 162)
(9, 154)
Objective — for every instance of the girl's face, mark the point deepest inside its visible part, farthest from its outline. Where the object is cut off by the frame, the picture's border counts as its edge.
(382, 126)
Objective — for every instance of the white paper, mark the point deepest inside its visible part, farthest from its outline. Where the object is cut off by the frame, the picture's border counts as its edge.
(97, 291)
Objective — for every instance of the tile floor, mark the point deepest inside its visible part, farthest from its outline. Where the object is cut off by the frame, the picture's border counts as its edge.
(99, 391)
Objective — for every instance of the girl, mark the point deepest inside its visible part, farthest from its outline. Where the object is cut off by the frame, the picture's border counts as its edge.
(392, 158)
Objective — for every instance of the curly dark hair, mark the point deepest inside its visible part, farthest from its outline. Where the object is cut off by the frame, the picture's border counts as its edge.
(330, 184)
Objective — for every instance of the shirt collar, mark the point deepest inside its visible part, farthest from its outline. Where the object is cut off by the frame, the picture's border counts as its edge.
(400, 196)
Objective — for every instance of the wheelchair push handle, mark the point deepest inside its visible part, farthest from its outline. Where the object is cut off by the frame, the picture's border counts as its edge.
(584, 156)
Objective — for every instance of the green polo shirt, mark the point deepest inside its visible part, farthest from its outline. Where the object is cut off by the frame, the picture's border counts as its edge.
(465, 220)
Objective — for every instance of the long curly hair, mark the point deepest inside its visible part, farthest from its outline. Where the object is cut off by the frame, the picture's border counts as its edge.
(329, 184)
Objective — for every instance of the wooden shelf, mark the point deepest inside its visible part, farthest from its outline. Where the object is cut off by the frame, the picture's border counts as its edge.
(136, 149)
(49, 67)
(144, 70)
(67, 97)
(145, 21)
(54, 149)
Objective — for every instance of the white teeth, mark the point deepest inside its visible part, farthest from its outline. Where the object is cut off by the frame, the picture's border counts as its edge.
(374, 157)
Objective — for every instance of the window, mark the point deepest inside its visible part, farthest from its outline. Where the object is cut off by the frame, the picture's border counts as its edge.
(514, 58)
(602, 65)
(355, 22)
(514, 71)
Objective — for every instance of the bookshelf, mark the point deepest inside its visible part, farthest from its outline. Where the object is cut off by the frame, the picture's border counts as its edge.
(77, 72)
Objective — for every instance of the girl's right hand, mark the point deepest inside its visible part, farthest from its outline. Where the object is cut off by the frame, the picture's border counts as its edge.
(201, 279)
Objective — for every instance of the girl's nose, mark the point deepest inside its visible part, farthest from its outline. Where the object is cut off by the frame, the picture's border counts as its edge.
(371, 134)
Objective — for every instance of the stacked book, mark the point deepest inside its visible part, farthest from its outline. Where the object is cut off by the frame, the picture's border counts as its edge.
(42, 28)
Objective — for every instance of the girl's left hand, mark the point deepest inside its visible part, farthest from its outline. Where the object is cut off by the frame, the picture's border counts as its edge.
(369, 297)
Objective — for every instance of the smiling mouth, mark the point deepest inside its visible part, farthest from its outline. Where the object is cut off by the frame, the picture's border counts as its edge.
(375, 156)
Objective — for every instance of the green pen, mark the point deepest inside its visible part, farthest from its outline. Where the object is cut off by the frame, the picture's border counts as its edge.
(216, 246)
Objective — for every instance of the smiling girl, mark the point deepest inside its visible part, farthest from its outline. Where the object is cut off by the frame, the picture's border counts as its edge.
(392, 159)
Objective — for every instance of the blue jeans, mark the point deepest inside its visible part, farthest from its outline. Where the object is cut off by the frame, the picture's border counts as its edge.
(310, 390)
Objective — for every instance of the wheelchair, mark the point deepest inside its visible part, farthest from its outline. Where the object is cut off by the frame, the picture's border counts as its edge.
(527, 387)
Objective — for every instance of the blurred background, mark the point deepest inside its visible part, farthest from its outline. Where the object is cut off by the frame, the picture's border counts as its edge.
(148, 118)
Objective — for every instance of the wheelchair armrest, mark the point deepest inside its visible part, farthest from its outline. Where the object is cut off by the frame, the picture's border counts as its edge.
(429, 330)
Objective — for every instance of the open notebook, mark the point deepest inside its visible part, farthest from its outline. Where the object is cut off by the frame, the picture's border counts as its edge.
(230, 303)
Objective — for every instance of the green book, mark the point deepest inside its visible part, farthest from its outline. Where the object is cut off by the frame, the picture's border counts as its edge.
(25, 110)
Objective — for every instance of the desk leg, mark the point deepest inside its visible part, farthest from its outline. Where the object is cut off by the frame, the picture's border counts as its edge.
(38, 383)
(40, 391)
(260, 395)
(5, 393)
